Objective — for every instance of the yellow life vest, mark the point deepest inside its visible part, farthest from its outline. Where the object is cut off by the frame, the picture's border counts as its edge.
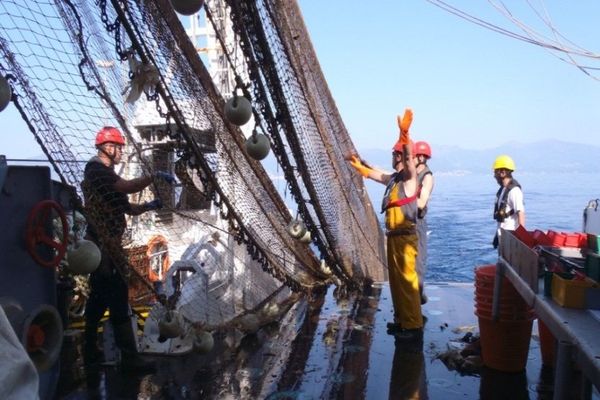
(398, 214)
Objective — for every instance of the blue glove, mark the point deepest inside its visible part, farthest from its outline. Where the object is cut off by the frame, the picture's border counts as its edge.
(167, 177)
(155, 204)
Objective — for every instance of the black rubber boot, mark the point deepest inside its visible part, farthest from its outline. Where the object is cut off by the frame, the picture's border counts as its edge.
(393, 327)
(409, 335)
(423, 295)
(92, 355)
(130, 358)
(92, 379)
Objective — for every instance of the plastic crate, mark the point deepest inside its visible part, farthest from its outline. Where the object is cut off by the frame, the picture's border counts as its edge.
(557, 239)
(540, 238)
(524, 236)
(566, 258)
(593, 242)
(592, 266)
(571, 239)
(571, 293)
(583, 240)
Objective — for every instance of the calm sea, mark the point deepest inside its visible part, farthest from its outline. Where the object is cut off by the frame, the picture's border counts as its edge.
(460, 216)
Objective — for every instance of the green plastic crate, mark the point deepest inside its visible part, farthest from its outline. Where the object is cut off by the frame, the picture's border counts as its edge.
(593, 242)
(592, 266)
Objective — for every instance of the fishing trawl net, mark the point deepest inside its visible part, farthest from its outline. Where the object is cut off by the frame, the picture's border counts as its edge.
(293, 95)
(220, 246)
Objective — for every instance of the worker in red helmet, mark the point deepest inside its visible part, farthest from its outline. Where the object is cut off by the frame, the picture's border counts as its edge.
(106, 203)
(425, 181)
(400, 208)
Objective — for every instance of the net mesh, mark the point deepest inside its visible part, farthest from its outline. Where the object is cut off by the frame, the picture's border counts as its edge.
(221, 241)
(279, 51)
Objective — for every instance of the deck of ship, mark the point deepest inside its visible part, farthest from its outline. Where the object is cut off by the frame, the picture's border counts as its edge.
(340, 350)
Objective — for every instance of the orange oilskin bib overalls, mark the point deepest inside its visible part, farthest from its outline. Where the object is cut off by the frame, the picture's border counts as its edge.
(400, 223)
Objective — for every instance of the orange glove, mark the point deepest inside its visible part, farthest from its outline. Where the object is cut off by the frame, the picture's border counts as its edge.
(359, 166)
(404, 125)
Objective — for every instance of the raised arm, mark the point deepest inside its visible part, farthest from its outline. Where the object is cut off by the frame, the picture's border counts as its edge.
(410, 184)
(374, 173)
(380, 176)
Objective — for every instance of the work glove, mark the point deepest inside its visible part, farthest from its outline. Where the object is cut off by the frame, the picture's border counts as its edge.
(358, 165)
(155, 204)
(404, 125)
(167, 177)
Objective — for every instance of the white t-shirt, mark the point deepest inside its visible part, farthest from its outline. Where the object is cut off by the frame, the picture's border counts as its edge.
(513, 202)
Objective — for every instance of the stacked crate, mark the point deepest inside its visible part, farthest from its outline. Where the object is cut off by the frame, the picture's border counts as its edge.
(571, 265)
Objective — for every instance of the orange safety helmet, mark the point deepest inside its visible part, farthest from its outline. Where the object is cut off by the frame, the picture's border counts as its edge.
(109, 134)
(422, 148)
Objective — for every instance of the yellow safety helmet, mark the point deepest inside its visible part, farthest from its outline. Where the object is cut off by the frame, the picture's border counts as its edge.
(505, 162)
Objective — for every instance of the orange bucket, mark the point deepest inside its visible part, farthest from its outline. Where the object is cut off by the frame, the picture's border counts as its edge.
(547, 344)
(506, 315)
(505, 344)
(510, 299)
(505, 301)
(485, 276)
(486, 273)
(487, 288)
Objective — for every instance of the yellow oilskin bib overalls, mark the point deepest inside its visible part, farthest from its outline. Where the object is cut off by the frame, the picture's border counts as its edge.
(400, 222)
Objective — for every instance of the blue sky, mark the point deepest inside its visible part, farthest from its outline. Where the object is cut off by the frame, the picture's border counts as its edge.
(467, 85)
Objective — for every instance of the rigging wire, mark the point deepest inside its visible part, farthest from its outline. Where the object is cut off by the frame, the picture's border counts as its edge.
(530, 36)
(569, 51)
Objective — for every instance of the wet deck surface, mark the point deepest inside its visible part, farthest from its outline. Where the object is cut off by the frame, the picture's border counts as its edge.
(341, 350)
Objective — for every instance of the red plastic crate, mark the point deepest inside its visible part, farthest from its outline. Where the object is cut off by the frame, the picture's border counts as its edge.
(583, 240)
(540, 238)
(571, 239)
(524, 236)
(557, 239)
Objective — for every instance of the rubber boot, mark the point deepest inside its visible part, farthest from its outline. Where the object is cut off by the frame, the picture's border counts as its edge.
(92, 355)
(130, 358)
(393, 327)
(409, 335)
(423, 295)
(92, 380)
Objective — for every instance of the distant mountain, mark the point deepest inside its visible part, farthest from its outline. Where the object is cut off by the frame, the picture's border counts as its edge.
(549, 156)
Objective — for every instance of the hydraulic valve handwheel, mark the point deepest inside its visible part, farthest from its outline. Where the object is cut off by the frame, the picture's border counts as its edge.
(39, 218)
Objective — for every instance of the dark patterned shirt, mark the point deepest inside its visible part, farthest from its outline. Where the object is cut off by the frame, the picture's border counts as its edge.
(105, 207)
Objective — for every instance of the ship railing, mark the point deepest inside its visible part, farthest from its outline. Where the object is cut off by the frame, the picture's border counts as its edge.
(575, 330)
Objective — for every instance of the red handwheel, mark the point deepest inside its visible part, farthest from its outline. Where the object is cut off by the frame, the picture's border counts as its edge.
(35, 233)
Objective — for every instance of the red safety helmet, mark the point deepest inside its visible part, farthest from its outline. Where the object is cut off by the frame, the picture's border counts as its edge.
(422, 148)
(398, 147)
(109, 134)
